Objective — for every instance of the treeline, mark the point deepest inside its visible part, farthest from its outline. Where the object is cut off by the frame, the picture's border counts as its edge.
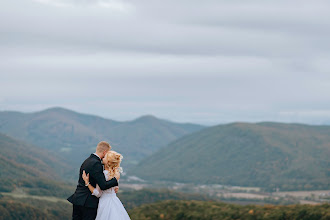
(27, 208)
(199, 210)
(15, 210)
(33, 209)
(164, 204)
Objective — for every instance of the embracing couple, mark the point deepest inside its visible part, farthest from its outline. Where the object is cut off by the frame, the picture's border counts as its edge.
(95, 196)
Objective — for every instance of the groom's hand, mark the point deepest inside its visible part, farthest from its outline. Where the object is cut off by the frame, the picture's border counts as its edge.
(116, 189)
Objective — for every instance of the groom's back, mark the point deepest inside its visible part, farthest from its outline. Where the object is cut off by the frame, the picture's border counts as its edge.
(82, 195)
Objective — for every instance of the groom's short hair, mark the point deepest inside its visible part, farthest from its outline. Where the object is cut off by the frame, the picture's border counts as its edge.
(103, 146)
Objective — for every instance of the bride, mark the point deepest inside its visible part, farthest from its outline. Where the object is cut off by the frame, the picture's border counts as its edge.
(110, 207)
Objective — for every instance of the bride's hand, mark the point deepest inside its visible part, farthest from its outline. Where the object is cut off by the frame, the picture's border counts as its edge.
(85, 177)
(117, 175)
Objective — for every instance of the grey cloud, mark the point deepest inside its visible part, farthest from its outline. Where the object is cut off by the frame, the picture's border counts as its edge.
(92, 29)
(207, 62)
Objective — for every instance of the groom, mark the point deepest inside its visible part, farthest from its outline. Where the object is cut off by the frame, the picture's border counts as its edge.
(84, 204)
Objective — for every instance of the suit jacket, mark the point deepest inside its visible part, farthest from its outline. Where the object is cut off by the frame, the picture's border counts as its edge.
(82, 195)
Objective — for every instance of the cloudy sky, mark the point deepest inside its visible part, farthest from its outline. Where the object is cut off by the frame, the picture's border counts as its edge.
(209, 62)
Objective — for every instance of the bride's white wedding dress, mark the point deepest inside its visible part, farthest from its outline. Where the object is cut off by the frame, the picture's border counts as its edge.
(110, 207)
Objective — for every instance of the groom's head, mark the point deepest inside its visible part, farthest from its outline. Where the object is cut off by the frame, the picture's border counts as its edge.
(102, 148)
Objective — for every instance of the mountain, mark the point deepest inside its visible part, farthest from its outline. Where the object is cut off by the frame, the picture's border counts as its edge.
(33, 169)
(76, 135)
(268, 155)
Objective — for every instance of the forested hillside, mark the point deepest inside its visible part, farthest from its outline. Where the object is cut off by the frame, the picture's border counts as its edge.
(33, 169)
(268, 155)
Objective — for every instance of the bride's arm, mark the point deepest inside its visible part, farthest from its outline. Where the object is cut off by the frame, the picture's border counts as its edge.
(95, 191)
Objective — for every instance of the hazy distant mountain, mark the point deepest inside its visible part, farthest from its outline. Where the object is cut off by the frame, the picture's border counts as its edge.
(288, 156)
(30, 167)
(75, 135)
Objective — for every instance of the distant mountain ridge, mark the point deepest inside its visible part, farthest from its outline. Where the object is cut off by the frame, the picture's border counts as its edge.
(75, 135)
(269, 155)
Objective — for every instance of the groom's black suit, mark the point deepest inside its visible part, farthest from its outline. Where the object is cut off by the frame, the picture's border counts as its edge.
(84, 204)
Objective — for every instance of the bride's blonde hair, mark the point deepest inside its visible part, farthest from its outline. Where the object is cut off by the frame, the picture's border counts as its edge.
(113, 163)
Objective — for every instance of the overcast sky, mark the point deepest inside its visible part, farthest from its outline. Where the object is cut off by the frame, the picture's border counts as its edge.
(205, 62)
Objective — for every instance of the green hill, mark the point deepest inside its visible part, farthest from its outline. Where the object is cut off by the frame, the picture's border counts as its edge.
(200, 210)
(268, 155)
(31, 169)
(75, 135)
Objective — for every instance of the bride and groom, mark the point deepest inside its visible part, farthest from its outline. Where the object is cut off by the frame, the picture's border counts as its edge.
(95, 196)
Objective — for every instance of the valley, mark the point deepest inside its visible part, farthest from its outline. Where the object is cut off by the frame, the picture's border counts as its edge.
(231, 166)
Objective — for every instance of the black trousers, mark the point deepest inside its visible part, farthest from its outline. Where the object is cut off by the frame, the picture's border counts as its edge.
(83, 213)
